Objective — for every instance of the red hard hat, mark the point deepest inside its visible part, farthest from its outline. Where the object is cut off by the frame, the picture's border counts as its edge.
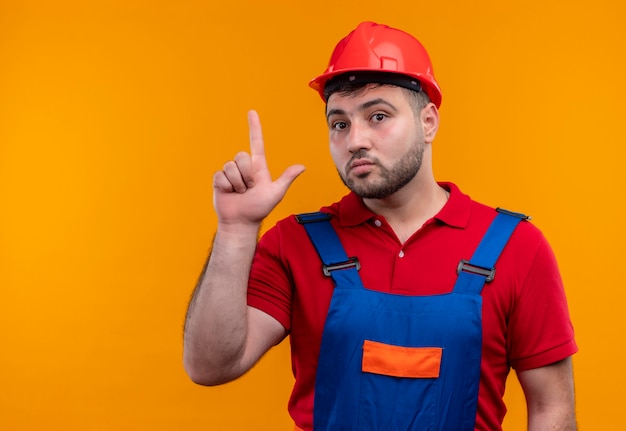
(374, 47)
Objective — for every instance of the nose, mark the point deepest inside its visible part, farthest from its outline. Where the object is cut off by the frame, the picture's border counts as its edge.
(358, 138)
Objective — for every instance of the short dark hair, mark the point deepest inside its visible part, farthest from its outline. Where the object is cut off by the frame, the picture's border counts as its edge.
(418, 99)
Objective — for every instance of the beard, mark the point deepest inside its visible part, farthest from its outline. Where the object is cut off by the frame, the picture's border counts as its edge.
(392, 178)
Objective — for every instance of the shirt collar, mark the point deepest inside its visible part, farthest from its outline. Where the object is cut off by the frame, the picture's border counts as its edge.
(455, 213)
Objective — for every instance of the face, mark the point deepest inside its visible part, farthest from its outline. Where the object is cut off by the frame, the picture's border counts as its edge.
(376, 140)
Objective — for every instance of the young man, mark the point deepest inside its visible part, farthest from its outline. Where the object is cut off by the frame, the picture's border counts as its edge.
(397, 317)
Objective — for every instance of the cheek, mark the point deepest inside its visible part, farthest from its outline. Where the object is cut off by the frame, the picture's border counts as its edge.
(336, 156)
(400, 140)
(338, 152)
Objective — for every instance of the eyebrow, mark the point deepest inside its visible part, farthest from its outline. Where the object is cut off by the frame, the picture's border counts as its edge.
(362, 107)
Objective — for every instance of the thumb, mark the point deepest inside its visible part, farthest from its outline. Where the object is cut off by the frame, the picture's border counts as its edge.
(288, 176)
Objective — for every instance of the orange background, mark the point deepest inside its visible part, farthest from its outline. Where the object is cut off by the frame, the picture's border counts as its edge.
(115, 114)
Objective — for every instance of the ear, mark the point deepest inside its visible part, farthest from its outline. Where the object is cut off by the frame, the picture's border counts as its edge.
(429, 118)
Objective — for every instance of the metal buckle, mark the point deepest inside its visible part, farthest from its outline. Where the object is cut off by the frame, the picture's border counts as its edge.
(514, 214)
(465, 265)
(312, 217)
(352, 262)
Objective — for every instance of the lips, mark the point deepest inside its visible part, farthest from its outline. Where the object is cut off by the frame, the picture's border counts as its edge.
(360, 166)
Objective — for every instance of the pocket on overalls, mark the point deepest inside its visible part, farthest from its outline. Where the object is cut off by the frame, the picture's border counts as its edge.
(399, 361)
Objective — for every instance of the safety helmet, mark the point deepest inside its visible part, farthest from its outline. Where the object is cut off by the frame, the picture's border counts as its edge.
(376, 48)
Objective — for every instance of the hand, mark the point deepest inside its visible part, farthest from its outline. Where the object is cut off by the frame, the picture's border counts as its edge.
(243, 192)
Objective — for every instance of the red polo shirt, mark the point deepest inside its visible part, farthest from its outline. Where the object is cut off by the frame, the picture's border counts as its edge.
(525, 317)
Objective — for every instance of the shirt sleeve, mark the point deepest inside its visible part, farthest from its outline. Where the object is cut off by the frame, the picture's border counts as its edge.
(270, 285)
(540, 329)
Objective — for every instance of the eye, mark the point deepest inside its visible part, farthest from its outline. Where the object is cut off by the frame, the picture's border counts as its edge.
(339, 125)
(378, 117)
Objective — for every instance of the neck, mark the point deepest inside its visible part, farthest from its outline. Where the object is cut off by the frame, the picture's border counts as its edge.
(408, 209)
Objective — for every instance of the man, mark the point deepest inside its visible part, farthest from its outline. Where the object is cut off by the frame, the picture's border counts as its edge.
(398, 319)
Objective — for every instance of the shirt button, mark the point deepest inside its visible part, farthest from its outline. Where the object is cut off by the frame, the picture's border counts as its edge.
(378, 223)
(401, 254)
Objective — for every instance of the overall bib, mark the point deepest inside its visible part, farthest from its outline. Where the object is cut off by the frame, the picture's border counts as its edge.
(398, 362)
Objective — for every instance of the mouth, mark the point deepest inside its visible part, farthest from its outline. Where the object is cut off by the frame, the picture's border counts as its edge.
(360, 167)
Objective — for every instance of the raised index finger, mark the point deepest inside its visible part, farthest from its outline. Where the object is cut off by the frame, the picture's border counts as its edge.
(257, 149)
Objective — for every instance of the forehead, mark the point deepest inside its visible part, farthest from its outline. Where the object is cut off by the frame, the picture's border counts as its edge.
(363, 97)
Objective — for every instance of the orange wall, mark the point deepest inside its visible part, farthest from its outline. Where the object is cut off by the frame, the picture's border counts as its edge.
(115, 114)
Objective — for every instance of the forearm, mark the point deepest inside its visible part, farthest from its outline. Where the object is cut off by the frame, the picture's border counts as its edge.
(216, 323)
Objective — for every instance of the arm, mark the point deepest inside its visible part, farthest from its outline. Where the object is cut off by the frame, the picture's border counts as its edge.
(549, 395)
(224, 337)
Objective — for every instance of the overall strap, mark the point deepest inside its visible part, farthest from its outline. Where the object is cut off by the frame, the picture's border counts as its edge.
(335, 261)
(480, 269)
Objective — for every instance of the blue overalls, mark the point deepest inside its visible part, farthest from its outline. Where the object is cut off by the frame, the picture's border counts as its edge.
(398, 362)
